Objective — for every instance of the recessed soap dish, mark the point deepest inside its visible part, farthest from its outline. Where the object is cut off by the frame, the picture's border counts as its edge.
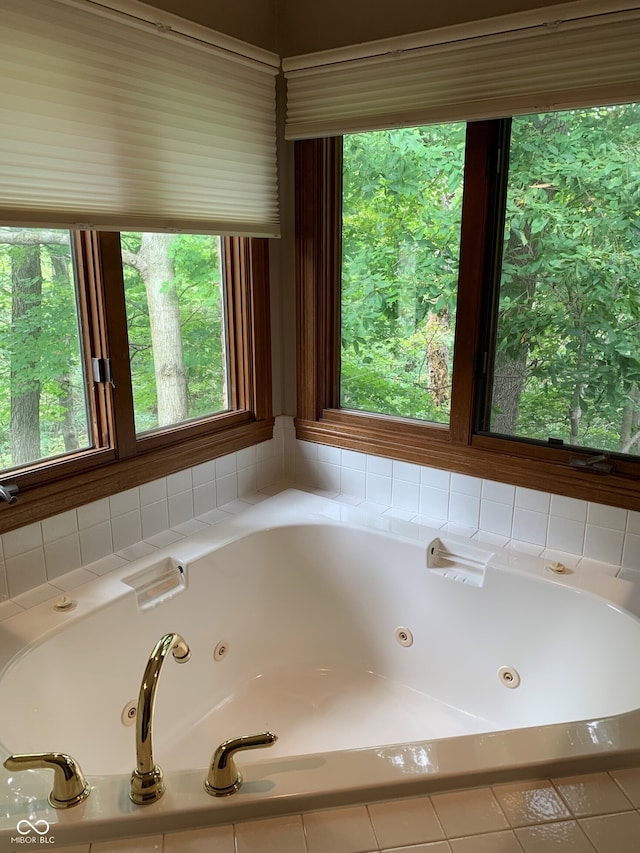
(460, 562)
(158, 583)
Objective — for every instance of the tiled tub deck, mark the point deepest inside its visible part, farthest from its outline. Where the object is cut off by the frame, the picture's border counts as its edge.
(589, 813)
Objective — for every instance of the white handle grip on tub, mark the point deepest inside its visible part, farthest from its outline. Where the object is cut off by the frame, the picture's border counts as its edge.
(466, 563)
(224, 777)
(69, 785)
(456, 558)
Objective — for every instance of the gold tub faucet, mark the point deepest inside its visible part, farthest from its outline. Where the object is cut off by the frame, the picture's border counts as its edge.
(223, 777)
(147, 784)
(69, 785)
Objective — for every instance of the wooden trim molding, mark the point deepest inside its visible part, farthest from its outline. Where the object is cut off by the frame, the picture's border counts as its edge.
(108, 264)
(108, 477)
(479, 192)
(259, 329)
(397, 441)
(318, 168)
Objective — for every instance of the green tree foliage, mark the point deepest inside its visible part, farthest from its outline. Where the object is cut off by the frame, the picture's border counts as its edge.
(198, 276)
(570, 291)
(402, 201)
(40, 352)
(42, 385)
(567, 362)
(194, 264)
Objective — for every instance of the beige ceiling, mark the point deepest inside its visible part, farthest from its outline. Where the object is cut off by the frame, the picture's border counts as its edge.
(290, 27)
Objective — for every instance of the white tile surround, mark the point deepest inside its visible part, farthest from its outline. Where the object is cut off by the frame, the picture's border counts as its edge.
(41, 560)
(591, 813)
(495, 511)
(587, 537)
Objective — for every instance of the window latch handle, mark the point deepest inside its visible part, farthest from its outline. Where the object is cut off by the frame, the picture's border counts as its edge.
(9, 492)
(101, 368)
(599, 464)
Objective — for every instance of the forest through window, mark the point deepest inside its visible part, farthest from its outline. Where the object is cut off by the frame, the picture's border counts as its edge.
(560, 353)
(176, 325)
(567, 353)
(53, 323)
(43, 402)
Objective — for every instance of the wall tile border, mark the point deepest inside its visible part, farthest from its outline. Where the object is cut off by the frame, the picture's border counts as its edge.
(528, 521)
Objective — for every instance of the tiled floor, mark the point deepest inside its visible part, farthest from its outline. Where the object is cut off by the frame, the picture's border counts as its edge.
(591, 813)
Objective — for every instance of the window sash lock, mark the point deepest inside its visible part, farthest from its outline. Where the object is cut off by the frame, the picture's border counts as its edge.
(599, 464)
(101, 368)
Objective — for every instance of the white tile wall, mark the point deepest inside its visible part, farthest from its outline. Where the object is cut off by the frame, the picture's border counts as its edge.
(531, 521)
(98, 534)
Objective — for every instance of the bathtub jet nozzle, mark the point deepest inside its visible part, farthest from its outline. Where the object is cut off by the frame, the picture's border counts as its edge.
(147, 783)
(224, 777)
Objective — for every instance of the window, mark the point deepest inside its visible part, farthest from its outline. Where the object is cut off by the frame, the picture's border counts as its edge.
(565, 360)
(401, 215)
(543, 373)
(176, 327)
(126, 357)
(44, 409)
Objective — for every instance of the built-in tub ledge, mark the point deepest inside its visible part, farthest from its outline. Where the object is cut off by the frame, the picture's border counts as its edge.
(307, 618)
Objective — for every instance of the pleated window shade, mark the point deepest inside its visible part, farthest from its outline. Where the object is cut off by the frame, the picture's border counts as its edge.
(588, 61)
(109, 122)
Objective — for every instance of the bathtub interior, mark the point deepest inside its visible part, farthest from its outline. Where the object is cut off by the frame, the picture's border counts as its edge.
(308, 614)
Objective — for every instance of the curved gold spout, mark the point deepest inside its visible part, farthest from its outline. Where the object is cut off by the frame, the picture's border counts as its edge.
(146, 780)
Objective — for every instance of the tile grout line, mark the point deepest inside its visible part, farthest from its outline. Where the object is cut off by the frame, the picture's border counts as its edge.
(512, 830)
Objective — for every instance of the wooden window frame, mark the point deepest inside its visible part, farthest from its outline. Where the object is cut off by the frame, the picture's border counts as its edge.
(457, 447)
(120, 459)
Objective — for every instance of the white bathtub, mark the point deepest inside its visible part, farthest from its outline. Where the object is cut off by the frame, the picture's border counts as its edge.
(380, 675)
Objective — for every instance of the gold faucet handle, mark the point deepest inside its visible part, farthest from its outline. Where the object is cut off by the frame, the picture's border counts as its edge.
(224, 777)
(69, 785)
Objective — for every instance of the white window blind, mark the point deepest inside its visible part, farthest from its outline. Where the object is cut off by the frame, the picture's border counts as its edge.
(533, 67)
(111, 122)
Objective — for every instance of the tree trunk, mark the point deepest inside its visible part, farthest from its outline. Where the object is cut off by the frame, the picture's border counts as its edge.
(154, 264)
(509, 376)
(439, 384)
(510, 364)
(510, 373)
(575, 413)
(629, 432)
(575, 407)
(225, 360)
(66, 398)
(26, 297)
(405, 307)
